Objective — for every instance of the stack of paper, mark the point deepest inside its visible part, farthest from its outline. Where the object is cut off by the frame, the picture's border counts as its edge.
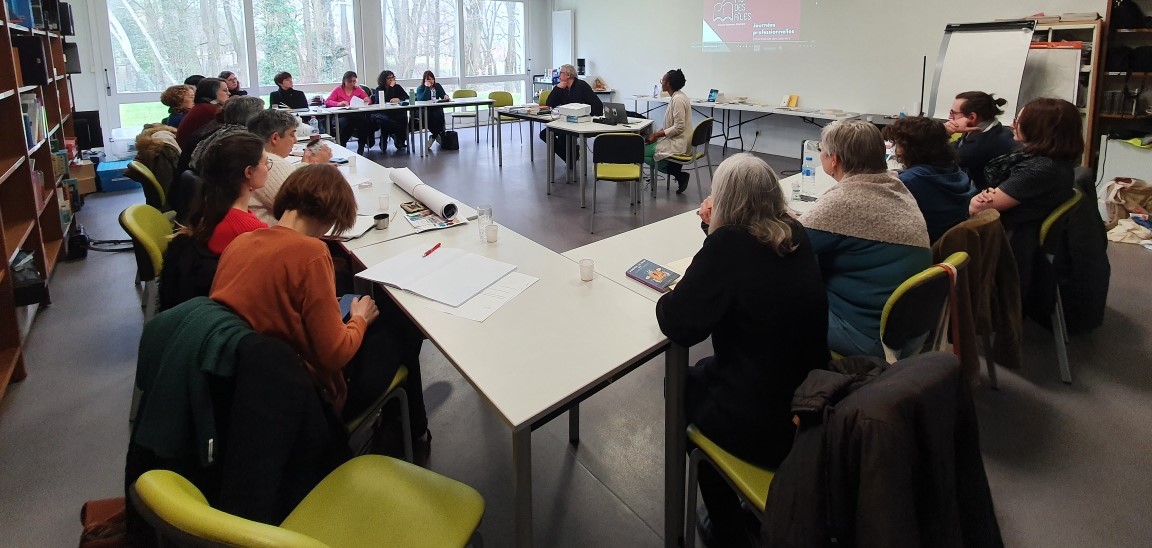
(446, 275)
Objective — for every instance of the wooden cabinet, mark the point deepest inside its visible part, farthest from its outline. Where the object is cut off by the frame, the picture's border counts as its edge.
(1089, 33)
(36, 114)
(1125, 104)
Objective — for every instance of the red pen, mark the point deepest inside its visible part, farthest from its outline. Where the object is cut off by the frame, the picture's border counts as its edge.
(434, 248)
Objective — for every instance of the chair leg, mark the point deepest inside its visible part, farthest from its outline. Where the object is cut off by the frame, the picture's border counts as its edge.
(151, 296)
(990, 363)
(1060, 334)
(690, 509)
(405, 423)
(592, 216)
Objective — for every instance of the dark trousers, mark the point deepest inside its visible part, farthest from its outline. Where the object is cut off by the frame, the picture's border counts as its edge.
(357, 124)
(559, 144)
(435, 122)
(396, 126)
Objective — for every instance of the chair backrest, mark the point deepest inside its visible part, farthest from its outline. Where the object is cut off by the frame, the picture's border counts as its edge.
(154, 194)
(150, 231)
(618, 148)
(501, 98)
(463, 93)
(702, 133)
(543, 100)
(180, 513)
(915, 308)
(1056, 221)
(186, 199)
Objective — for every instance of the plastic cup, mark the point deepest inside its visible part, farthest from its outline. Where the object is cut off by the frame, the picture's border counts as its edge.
(381, 221)
(587, 268)
(491, 231)
(352, 164)
(483, 219)
(385, 201)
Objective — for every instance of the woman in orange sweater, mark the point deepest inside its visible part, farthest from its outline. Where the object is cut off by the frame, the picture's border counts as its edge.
(281, 281)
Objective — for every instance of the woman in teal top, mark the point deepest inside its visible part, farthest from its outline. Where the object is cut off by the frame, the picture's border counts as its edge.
(431, 91)
(868, 235)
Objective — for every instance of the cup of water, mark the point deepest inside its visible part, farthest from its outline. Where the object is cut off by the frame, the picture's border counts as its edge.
(483, 219)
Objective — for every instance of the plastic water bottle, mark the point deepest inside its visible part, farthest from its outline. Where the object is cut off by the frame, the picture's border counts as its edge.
(796, 188)
(808, 171)
(315, 126)
(656, 90)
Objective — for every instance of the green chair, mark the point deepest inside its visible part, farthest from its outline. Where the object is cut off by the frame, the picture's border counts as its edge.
(150, 231)
(748, 480)
(919, 308)
(701, 134)
(1054, 225)
(370, 500)
(361, 426)
(504, 99)
(154, 194)
(543, 99)
(617, 157)
(465, 113)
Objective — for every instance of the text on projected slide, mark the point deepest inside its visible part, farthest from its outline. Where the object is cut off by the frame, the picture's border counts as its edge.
(747, 22)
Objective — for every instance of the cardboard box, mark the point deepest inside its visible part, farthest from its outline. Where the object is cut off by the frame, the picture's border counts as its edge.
(574, 109)
(86, 185)
(82, 170)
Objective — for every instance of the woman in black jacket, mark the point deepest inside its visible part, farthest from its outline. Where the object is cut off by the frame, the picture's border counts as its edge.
(286, 95)
(391, 122)
(755, 288)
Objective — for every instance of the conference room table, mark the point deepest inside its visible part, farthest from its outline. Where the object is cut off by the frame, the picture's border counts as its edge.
(728, 109)
(422, 107)
(578, 145)
(546, 350)
(532, 119)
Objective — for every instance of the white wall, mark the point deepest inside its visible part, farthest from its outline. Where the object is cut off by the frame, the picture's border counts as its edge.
(87, 86)
(867, 55)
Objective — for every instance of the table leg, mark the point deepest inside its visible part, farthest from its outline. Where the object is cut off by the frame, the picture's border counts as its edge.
(531, 142)
(551, 159)
(675, 377)
(477, 107)
(335, 121)
(574, 425)
(499, 139)
(581, 146)
(423, 126)
(522, 484)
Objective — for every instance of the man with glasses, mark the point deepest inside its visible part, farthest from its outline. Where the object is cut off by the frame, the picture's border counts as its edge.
(983, 137)
(571, 90)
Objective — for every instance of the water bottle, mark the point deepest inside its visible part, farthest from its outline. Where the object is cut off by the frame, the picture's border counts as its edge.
(315, 126)
(656, 90)
(796, 188)
(808, 172)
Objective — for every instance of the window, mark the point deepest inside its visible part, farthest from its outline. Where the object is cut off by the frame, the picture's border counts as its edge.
(493, 38)
(420, 36)
(516, 88)
(312, 39)
(155, 46)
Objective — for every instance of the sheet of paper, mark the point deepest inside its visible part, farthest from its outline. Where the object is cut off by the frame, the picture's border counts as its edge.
(356, 102)
(361, 226)
(480, 307)
(404, 269)
(680, 267)
(461, 280)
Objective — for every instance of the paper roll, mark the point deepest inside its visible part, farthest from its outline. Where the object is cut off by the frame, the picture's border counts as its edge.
(433, 199)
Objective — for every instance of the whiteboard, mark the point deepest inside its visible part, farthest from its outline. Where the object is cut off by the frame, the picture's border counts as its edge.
(563, 38)
(987, 57)
(1051, 73)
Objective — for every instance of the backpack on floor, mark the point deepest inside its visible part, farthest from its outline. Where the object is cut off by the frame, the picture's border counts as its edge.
(450, 140)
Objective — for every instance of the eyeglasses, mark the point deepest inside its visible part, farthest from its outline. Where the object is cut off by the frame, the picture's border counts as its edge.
(819, 147)
(954, 114)
(267, 162)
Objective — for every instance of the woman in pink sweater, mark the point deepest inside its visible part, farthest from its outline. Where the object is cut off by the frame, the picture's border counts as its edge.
(342, 96)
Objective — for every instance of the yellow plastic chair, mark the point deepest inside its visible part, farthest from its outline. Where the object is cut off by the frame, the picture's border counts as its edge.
(748, 480)
(465, 113)
(150, 231)
(617, 157)
(361, 425)
(543, 98)
(919, 308)
(370, 500)
(154, 194)
(504, 99)
(701, 134)
(1054, 225)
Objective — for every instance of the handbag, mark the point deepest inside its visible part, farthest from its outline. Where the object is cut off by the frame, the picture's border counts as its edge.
(1125, 196)
(104, 523)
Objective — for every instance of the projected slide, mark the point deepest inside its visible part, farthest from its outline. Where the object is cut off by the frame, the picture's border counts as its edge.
(743, 24)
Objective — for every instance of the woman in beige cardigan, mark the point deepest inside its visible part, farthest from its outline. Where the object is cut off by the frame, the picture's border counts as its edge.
(675, 138)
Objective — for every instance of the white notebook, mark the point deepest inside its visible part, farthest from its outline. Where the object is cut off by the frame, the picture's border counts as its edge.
(447, 275)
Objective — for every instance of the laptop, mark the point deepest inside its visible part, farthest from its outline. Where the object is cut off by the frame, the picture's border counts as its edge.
(614, 113)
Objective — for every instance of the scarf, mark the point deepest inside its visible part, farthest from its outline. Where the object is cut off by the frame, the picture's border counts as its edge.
(870, 206)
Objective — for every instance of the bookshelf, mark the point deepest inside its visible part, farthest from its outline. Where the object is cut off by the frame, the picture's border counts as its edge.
(36, 108)
(1090, 33)
(1126, 95)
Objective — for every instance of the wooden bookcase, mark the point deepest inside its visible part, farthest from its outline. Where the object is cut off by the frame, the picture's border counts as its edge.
(1130, 108)
(30, 216)
(1091, 34)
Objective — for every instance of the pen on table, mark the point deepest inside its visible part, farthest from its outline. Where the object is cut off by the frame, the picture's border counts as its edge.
(434, 248)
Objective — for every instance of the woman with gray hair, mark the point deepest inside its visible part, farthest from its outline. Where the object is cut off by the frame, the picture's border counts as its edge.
(278, 131)
(868, 234)
(755, 288)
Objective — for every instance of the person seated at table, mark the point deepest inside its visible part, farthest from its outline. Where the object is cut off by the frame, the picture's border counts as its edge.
(755, 288)
(942, 190)
(286, 95)
(868, 235)
(179, 99)
(233, 82)
(983, 137)
(233, 167)
(676, 137)
(570, 89)
(342, 96)
(1026, 186)
(211, 95)
(432, 91)
(391, 122)
(278, 131)
(281, 282)
(233, 118)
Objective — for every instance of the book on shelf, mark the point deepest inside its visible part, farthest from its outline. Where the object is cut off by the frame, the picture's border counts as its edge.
(1079, 17)
(653, 275)
(447, 275)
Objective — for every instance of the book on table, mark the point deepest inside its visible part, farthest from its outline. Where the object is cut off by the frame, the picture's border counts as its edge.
(447, 275)
(658, 277)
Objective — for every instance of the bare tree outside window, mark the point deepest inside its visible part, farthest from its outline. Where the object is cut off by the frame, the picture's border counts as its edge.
(493, 38)
(420, 35)
(312, 39)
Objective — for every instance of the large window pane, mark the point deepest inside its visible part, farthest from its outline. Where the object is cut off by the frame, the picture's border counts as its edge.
(157, 43)
(516, 88)
(493, 38)
(420, 35)
(312, 39)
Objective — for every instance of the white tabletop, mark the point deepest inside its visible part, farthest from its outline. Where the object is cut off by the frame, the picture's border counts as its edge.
(634, 125)
(543, 348)
(816, 114)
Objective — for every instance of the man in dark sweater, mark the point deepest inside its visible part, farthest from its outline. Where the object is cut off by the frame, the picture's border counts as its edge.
(571, 90)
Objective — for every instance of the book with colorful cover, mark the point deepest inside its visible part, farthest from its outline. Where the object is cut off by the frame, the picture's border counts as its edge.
(421, 218)
(653, 275)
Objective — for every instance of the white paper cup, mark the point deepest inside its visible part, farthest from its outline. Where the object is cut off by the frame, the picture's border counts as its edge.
(385, 201)
(491, 231)
(587, 267)
(352, 164)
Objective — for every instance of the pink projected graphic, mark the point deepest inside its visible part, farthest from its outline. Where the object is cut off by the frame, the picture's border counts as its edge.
(752, 20)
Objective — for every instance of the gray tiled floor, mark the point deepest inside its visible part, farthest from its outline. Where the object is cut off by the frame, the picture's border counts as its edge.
(1068, 466)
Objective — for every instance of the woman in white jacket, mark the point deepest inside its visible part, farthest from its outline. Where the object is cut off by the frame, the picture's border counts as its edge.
(676, 136)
